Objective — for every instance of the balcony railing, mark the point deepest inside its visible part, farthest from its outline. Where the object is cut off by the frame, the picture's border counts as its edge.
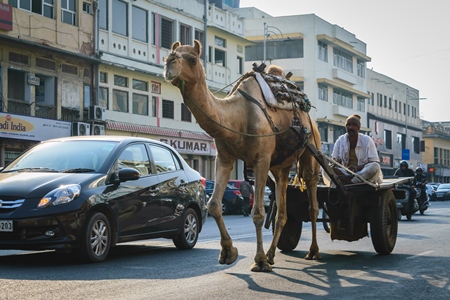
(44, 111)
(70, 114)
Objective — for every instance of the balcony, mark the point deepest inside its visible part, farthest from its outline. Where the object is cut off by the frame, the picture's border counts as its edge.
(44, 111)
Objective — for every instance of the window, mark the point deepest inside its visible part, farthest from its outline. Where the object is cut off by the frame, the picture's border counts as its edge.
(323, 130)
(395, 105)
(275, 50)
(371, 99)
(136, 157)
(338, 131)
(416, 144)
(120, 17)
(220, 42)
(361, 104)
(167, 109)
(401, 141)
(139, 24)
(120, 101)
(342, 60)
(154, 106)
(387, 139)
(164, 159)
(361, 69)
(240, 65)
(166, 33)
(185, 35)
(69, 11)
(103, 97)
(390, 103)
(86, 95)
(219, 57)
(342, 98)
(120, 81)
(323, 51)
(103, 14)
(87, 7)
(16, 84)
(140, 104)
(399, 107)
(385, 101)
(323, 92)
(103, 77)
(185, 113)
(140, 85)
(41, 7)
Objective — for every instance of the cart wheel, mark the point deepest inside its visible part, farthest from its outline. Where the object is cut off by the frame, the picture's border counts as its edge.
(291, 234)
(384, 224)
(326, 224)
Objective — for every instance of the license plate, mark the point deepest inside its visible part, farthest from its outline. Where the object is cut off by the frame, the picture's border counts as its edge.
(6, 226)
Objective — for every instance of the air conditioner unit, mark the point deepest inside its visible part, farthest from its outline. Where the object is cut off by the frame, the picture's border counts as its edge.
(81, 128)
(97, 113)
(97, 129)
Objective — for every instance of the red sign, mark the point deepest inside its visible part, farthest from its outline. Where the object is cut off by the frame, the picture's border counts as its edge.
(6, 17)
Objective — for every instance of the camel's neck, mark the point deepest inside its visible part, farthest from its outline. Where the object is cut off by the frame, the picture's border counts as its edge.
(206, 108)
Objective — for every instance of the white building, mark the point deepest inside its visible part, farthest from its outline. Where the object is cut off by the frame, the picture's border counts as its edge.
(133, 39)
(327, 61)
(393, 114)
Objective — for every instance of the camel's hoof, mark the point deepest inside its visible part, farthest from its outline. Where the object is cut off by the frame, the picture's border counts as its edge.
(312, 256)
(228, 257)
(262, 266)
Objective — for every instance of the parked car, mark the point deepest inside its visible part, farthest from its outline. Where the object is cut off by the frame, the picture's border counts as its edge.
(443, 192)
(86, 194)
(237, 184)
(232, 199)
(267, 193)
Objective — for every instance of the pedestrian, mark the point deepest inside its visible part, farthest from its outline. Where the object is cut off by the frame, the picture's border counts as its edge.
(246, 189)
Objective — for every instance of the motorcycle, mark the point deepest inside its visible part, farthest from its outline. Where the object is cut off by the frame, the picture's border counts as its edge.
(423, 205)
(403, 208)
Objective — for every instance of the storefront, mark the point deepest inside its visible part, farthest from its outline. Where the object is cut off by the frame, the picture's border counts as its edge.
(18, 133)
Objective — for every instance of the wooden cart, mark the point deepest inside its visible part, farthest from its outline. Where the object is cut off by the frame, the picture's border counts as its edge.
(350, 209)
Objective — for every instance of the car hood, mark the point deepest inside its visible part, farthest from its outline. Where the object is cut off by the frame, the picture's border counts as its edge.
(37, 184)
(442, 191)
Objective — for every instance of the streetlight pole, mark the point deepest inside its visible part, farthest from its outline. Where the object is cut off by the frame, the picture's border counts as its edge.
(266, 34)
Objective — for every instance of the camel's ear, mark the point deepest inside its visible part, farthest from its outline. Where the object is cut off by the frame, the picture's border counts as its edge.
(175, 46)
(198, 47)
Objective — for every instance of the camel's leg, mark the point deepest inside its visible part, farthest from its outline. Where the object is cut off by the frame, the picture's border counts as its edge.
(309, 170)
(228, 253)
(258, 213)
(282, 180)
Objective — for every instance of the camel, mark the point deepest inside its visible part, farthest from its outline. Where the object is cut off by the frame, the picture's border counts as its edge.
(242, 130)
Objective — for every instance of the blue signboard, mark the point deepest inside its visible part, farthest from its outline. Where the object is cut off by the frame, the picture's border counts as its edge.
(405, 154)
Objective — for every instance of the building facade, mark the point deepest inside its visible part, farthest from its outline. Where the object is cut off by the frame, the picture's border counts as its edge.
(46, 70)
(436, 157)
(393, 114)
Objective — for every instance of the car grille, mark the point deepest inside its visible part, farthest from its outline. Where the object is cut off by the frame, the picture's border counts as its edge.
(11, 204)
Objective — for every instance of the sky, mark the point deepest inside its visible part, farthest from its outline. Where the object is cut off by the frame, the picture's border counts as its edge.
(407, 40)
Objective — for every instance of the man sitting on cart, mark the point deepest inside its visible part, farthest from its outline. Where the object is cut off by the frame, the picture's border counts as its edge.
(358, 153)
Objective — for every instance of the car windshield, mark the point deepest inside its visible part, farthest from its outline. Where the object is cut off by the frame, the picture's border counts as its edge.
(63, 156)
(443, 187)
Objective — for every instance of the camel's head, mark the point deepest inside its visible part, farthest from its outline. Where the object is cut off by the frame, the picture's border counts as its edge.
(183, 63)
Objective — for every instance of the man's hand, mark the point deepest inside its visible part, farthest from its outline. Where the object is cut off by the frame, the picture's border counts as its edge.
(353, 168)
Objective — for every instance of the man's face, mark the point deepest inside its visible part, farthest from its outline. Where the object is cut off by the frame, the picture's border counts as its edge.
(352, 128)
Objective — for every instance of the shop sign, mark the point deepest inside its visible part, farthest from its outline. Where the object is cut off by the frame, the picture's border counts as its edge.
(34, 129)
(386, 160)
(33, 80)
(188, 146)
(6, 17)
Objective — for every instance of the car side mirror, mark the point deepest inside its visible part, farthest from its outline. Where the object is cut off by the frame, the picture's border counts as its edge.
(127, 174)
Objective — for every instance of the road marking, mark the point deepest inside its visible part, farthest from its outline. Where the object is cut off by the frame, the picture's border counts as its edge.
(420, 254)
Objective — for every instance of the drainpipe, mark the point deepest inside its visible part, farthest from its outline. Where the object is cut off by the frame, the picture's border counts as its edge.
(205, 19)
(96, 53)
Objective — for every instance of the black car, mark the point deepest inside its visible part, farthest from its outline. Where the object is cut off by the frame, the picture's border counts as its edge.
(443, 192)
(232, 199)
(86, 194)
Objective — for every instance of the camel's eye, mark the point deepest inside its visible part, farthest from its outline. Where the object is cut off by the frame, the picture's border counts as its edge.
(193, 60)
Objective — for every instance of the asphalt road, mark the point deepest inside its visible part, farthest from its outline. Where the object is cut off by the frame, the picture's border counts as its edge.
(418, 268)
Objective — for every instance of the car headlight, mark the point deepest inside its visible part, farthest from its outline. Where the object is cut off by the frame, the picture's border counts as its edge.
(63, 194)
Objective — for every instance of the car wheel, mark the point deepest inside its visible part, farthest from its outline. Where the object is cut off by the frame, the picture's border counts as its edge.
(190, 228)
(225, 207)
(96, 239)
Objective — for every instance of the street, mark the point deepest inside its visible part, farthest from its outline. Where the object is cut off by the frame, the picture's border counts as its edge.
(154, 269)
